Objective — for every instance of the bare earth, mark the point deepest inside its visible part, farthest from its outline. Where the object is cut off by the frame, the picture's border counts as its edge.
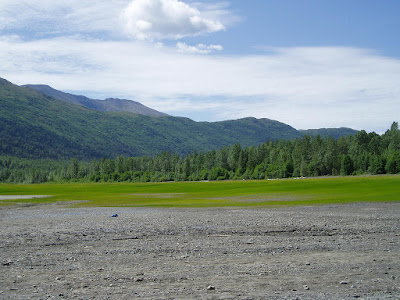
(324, 252)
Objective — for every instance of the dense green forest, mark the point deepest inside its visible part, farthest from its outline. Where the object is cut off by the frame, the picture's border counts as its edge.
(364, 153)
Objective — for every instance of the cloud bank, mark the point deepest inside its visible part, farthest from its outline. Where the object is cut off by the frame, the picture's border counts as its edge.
(33, 19)
(166, 19)
(140, 19)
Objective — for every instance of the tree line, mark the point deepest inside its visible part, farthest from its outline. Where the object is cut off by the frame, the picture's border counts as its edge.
(308, 156)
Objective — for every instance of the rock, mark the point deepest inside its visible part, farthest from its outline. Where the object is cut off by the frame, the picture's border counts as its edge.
(306, 287)
(210, 288)
(343, 282)
(139, 279)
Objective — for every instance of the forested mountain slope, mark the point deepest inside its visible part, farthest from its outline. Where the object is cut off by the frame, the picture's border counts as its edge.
(113, 104)
(34, 125)
(333, 132)
(110, 104)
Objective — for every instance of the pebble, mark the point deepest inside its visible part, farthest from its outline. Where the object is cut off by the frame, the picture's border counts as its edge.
(343, 282)
(139, 279)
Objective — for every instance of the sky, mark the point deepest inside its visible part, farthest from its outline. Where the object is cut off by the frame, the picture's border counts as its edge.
(307, 63)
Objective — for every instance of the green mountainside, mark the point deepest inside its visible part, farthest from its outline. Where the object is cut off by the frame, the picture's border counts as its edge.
(35, 125)
(113, 104)
(333, 132)
(110, 104)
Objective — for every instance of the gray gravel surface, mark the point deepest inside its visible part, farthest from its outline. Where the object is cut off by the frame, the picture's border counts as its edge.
(319, 252)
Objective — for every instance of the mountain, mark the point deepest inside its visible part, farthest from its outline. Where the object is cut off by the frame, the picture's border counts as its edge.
(36, 125)
(333, 132)
(113, 104)
(110, 104)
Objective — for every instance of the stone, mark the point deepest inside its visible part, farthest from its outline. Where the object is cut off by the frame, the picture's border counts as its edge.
(139, 279)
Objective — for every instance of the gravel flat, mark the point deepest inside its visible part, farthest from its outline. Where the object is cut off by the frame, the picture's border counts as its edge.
(316, 252)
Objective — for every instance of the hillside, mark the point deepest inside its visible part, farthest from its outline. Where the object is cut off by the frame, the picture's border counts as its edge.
(35, 125)
(333, 132)
(114, 104)
(110, 104)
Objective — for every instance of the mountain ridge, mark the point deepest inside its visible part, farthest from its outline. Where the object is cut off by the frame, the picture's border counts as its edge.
(333, 132)
(114, 104)
(109, 104)
(35, 125)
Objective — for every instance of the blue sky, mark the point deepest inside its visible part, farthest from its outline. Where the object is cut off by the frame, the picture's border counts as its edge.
(293, 23)
(308, 63)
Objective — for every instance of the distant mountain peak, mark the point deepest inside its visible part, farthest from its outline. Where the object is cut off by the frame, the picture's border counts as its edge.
(109, 104)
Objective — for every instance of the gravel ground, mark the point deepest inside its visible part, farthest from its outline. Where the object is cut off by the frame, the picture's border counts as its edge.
(319, 252)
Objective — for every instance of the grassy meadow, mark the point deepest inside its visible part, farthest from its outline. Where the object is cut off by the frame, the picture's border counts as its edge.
(261, 193)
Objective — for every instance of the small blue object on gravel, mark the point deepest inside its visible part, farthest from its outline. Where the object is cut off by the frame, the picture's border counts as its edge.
(114, 216)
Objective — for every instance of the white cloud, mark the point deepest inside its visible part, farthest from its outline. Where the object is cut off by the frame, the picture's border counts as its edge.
(217, 11)
(304, 87)
(166, 19)
(141, 19)
(41, 18)
(199, 49)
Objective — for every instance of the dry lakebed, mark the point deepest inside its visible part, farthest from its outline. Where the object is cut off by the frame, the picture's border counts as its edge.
(346, 251)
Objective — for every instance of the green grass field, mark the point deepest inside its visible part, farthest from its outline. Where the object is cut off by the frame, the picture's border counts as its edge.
(309, 191)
